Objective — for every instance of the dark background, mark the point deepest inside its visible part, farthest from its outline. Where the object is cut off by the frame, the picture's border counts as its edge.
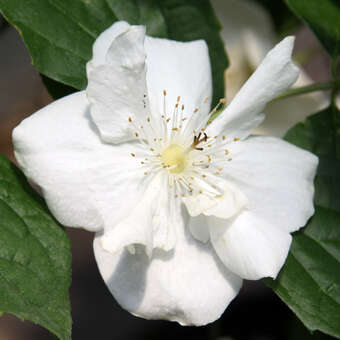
(256, 313)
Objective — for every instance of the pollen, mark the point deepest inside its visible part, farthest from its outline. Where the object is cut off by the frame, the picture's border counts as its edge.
(175, 157)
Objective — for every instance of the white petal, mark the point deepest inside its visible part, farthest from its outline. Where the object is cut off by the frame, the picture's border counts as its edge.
(199, 229)
(117, 89)
(275, 74)
(149, 222)
(104, 41)
(182, 69)
(60, 150)
(188, 285)
(277, 179)
(248, 246)
(224, 205)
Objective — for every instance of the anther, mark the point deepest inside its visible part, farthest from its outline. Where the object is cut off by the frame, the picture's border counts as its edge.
(198, 140)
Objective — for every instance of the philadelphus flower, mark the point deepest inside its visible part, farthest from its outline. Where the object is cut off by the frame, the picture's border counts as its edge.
(183, 210)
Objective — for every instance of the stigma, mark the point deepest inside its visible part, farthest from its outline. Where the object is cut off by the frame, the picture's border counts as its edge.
(175, 158)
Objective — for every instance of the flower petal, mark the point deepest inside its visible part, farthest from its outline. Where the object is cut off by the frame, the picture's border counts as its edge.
(277, 179)
(103, 43)
(188, 285)
(248, 246)
(275, 74)
(117, 89)
(220, 205)
(182, 69)
(150, 221)
(60, 150)
(199, 228)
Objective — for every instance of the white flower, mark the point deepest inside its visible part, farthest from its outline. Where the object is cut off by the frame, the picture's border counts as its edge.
(248, 34)
(183, 210)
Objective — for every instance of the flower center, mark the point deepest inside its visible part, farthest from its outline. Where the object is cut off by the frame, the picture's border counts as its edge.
(176, 158)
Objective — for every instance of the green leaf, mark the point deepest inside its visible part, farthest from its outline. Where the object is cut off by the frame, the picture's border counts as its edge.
(323, 17)
(310, 280)
(59, 34)
(55, 89)
(35, 259)
(320, 134)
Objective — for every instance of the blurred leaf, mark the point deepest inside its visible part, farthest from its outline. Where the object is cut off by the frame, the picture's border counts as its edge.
(59, 34)
(284, 21)
(35, 259)
(323, 17)
(310, 280)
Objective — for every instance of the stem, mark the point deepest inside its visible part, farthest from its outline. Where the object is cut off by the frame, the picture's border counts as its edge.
(309, 88)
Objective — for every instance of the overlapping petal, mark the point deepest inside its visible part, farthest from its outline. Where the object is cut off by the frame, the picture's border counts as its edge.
(249, 246)
(276, 177)
(117, 89)
(225, 205)
(150, 222)
(103, 43)
(188, 285)
(135, 72)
